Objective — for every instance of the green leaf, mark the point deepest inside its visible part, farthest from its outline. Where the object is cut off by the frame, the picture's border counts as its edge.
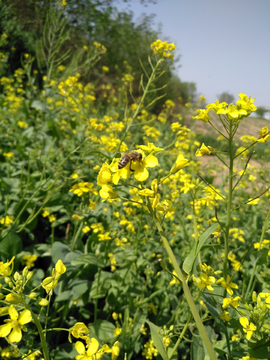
(102, 330)
(190, 259)
(101, 285)
(157, 339)
(39, 105)
(87, 259)
(197, 350)
(11, 245)
(59, 251)
(260, 353)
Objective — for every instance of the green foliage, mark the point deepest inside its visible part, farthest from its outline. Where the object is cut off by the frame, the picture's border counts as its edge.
(100, 249)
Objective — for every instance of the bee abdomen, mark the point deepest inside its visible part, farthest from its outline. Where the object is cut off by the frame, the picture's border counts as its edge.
(123, 162)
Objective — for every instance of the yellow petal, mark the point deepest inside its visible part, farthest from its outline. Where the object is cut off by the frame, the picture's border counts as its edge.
(243, 321)
(13, 312)
(151, 161)
(25, 317)
(93, 348)
(16, 335)
(80, 347)
(141, 174)
(147, 192)
(60, 267)
(5, 329)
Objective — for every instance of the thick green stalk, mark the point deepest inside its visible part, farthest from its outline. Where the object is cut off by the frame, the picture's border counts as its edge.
(188, 295)
(41, 335)
(229, 205)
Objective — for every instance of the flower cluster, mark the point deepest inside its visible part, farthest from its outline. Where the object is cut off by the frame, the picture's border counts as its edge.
(234, 113)
(163, 49)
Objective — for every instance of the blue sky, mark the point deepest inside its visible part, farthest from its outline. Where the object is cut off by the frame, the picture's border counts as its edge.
(224, 44)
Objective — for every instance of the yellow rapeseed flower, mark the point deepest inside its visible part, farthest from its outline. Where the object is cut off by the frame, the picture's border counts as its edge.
(15, 324)
(248, 328)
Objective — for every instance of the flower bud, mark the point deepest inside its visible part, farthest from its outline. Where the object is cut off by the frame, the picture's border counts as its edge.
(43, 302)
(29, 275)
(254, 296)
(25, 271)
(16, 276)
(13, 298)
(33, 295)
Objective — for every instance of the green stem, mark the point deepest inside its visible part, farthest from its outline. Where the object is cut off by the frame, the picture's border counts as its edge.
(188, 295)
(246, 296)
(41, 335)
(75, 238)
(152, 77)
(229, 204)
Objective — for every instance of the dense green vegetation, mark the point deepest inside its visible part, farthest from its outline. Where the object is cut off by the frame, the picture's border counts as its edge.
(163, 254)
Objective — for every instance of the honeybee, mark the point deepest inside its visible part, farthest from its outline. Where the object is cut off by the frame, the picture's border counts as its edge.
(133, 155)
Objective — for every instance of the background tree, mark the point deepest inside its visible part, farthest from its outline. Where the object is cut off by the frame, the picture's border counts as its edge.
(226, 97)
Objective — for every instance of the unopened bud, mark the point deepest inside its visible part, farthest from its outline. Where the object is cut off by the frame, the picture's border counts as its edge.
(25, 271)
(254, 296)
(29, 275)
(33, 295)
(16, 276)
(43, 302)
(13, 298)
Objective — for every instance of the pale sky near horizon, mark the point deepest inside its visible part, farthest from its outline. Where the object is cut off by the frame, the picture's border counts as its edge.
(224, 44)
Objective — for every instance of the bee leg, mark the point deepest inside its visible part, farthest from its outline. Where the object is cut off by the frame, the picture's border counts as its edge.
(130, 166)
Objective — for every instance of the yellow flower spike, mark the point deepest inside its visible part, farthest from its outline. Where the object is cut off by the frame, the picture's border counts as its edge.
(149, 148)
(107, 192)
(231, 302)
(203, 115)
(15, 324)
(204, 281)
(6, 268)
(147, 192)
(248, 328)
(166, 341)
(78, 331)
(264, 135)
(123, 173)
(86, 354)
(115, 350)
(60, 267)
(204, 150)
(227, 285)
(140, 167)
(180, 163)
(104, 175)
(225, 316)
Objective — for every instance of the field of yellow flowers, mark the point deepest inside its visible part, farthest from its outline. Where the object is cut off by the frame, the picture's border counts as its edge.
(116, 240)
